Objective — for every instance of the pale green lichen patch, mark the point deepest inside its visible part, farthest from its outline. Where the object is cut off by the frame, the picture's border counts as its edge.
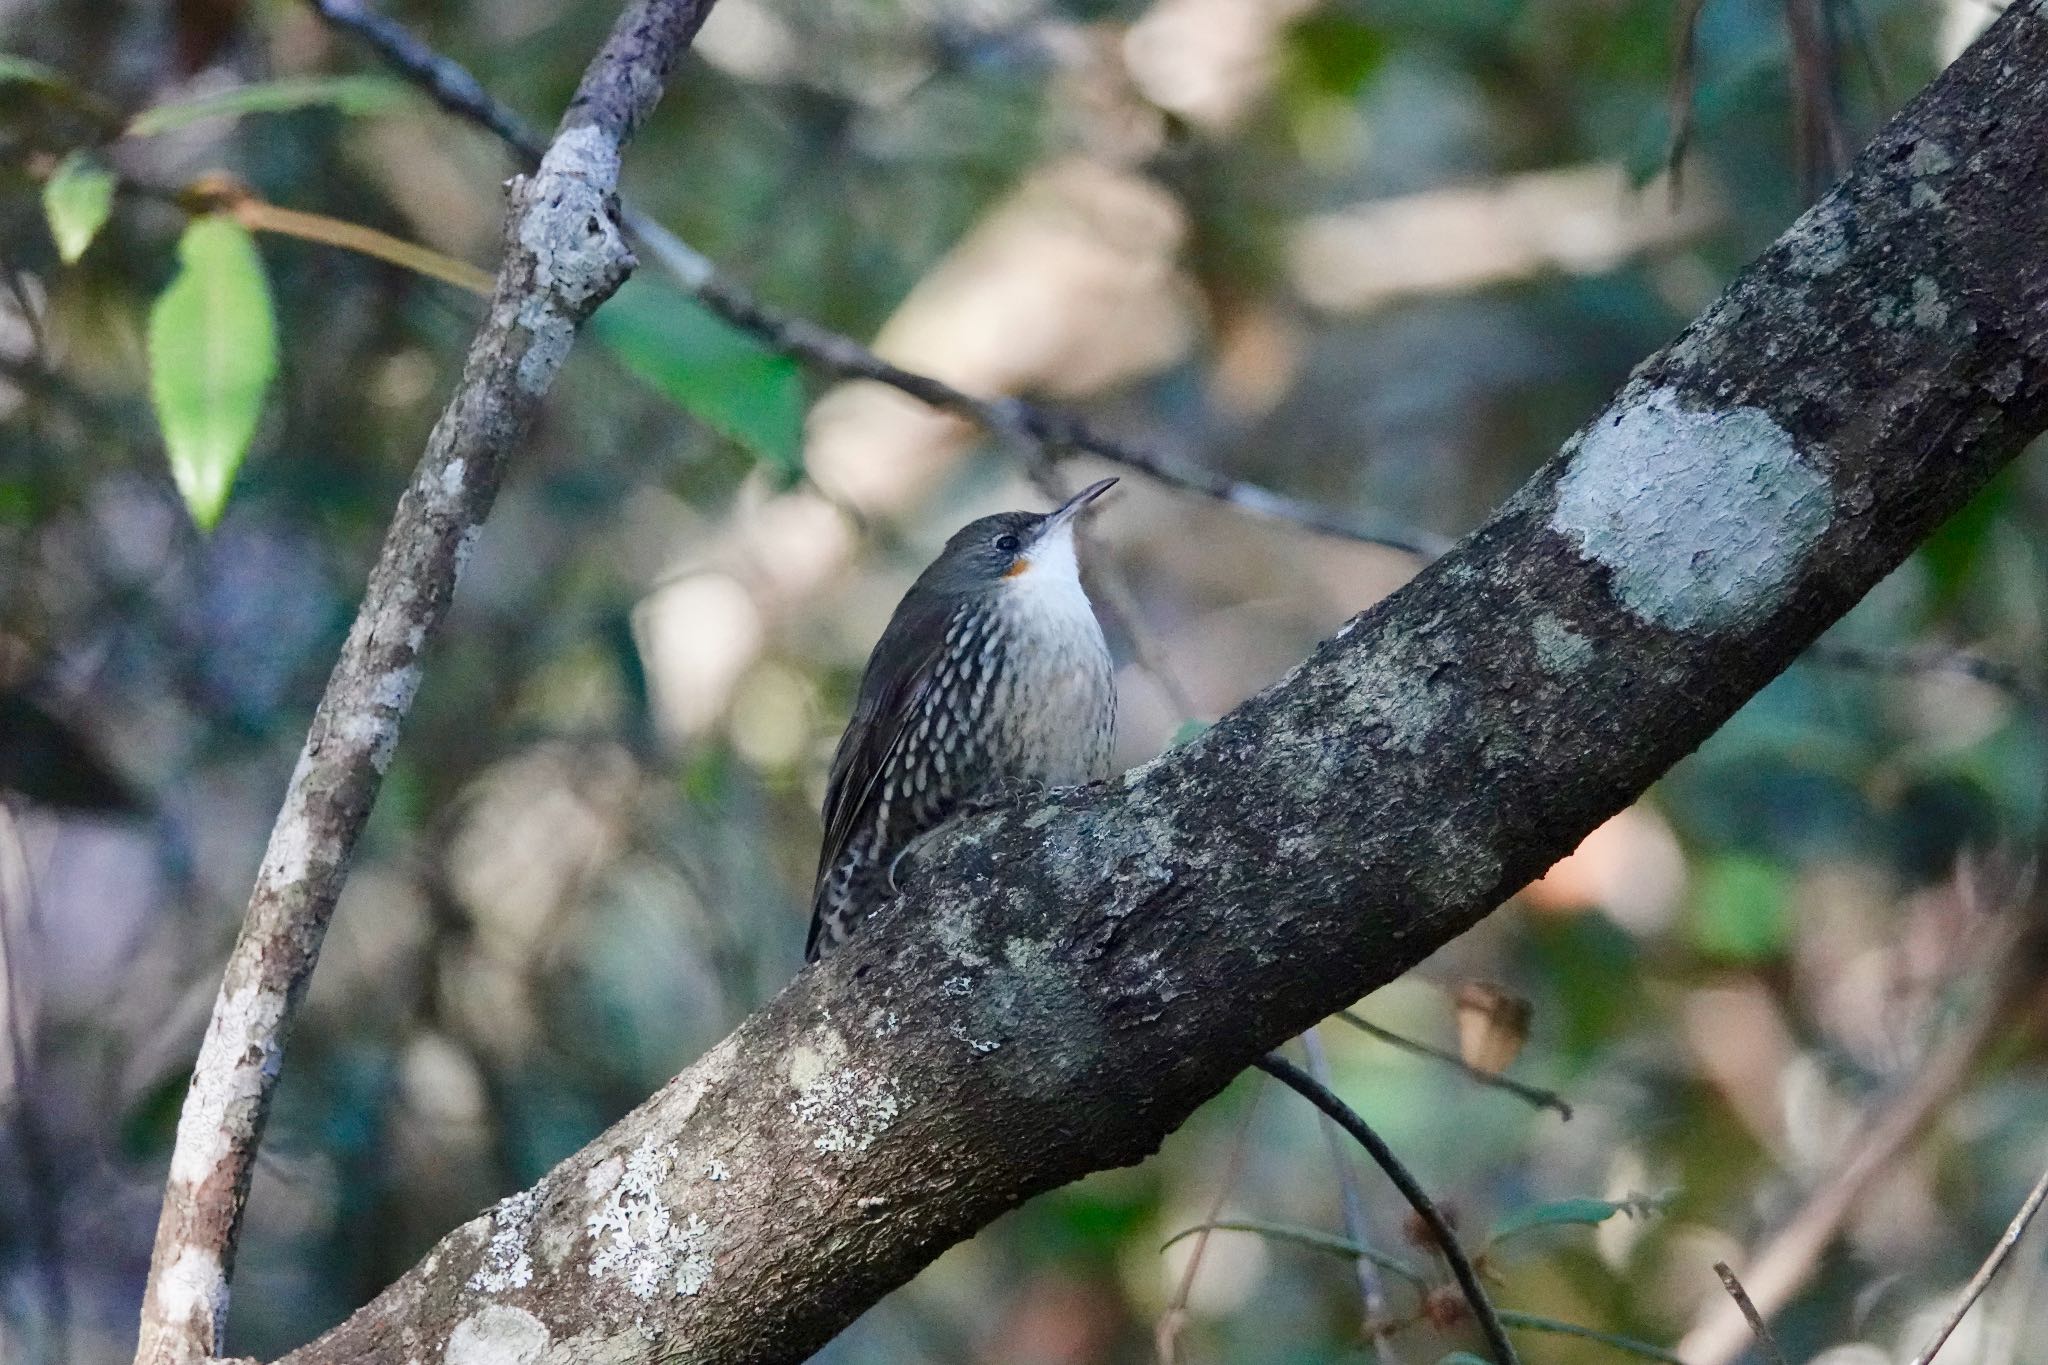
(1703, 519)
(1560, 649)
(497, 1334)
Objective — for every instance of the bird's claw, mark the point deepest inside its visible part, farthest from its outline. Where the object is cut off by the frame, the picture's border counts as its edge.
(1009, 792)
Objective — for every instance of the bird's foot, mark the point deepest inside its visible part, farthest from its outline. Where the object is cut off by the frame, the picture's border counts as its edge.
(1010, 791)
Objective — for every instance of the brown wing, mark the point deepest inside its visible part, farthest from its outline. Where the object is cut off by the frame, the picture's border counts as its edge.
(891, 688)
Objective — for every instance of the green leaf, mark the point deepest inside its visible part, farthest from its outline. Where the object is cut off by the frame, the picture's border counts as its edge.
(1739, 909)
(346, 94)
(212, 352)
(53, 83)
(1564, 1212)
(719, 374)
(1188, 729)
(77, 198)
(1335, 55)
(25, 71)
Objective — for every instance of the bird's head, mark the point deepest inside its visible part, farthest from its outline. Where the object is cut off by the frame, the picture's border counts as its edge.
(1013, 549)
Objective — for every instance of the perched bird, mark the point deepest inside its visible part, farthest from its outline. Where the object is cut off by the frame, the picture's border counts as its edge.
(991, 676)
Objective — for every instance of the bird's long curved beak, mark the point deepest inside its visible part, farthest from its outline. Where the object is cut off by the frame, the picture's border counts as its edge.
(1074, 506)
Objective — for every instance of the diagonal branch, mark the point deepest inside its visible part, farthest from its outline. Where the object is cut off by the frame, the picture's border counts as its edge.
(564, 255)
(1061, 986)
(1325, 1099)
(451, 86)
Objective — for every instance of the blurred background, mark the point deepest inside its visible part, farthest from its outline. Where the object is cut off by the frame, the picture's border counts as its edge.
(1382, 255)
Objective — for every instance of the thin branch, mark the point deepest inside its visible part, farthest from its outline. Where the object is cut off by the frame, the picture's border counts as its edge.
(1992, 1263)
(1765, 1342)
(1530, 1322)
(1372, 1293)
(1308, 1237)
(2012, 962)
(2013, 681)
(1305, 1085)
(1166, 1337)
(1684, 79)
(564, 255)
(840, 356)
(1531, 1094)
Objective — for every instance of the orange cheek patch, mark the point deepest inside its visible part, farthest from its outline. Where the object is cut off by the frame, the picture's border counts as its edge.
(1018, 568)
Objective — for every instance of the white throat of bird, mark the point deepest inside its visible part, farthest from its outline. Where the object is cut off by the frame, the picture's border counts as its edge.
(1048, 577)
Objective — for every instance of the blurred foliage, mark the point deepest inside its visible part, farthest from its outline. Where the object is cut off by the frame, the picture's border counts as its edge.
(593, 851)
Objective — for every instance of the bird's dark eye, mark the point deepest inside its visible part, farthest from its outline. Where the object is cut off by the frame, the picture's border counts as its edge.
(1008, 544)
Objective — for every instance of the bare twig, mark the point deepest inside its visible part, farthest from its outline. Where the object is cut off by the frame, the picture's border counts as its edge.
(456, 91)
(1372, 1293)
(1535, 1095)
(2006, 678)
(1980, 1281)
(1765, 1342)
(1685, 58)
(564, 255)
(1305, 1085)
(1166, 1336)
(1777, 1272)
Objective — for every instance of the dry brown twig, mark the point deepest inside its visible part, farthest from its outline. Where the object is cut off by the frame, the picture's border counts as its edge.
(564, 255)
(1765, 1342)
(1979, 1282)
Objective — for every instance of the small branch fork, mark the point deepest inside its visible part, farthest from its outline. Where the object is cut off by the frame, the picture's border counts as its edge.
(1320, 1095)
(451, 86)
(564, 255)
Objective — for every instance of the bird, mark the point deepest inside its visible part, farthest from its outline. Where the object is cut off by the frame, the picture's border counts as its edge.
(991, 678)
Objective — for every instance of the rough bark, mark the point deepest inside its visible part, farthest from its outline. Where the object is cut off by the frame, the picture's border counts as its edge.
(564, 255)
(1061, 986)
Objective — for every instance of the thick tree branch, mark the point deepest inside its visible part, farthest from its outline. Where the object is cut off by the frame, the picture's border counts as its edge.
(1061, 986)
(564, 255)
(451, 86)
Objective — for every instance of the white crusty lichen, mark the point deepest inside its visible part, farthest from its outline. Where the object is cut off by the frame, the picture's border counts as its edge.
(1703, 517)
(640, 1239)
(237, 1062)
(850, 1108)
(506, 1262)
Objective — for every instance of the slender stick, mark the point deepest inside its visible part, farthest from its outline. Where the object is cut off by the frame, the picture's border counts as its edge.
(1536, 1095)
(1992, 1263)
(1764, 1340)
(1305, 1085)
(1167, 1335)
(1372, 1292)
(461, 94)
(564, 255)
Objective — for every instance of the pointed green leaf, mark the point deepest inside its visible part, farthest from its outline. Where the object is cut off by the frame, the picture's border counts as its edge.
(212, 352)
(77, 198)
(722, 376)
(15, 70)
(1580, 1212)
(346, 94)
(1187, 730)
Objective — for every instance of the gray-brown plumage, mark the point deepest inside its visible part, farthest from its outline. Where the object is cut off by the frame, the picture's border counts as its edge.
(991, 675)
